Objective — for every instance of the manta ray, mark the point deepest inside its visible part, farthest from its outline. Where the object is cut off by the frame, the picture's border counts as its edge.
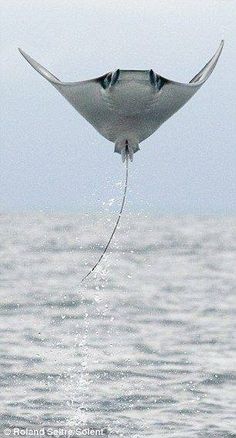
(127, 106)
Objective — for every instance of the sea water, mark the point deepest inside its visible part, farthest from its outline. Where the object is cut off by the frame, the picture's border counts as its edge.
(144, 347)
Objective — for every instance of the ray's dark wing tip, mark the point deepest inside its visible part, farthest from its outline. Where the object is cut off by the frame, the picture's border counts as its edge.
(206, 71)
(39, 68)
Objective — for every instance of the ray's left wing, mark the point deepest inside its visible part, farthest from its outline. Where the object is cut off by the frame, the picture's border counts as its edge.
(84, 96)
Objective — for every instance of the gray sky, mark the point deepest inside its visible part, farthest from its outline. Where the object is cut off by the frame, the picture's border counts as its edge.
(53, 160)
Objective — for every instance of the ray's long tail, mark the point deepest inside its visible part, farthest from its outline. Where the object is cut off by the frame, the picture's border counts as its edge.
(117, 221)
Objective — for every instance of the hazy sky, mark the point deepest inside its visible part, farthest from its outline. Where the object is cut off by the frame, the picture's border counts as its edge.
(53, 160)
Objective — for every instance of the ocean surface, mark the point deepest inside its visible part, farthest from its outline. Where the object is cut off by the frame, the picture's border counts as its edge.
(144, 347)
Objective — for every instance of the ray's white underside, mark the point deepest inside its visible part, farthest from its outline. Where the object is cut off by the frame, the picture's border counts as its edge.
(132, 108)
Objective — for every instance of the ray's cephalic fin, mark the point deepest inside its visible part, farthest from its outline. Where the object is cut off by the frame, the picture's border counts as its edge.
(156, 80)
(110, 79)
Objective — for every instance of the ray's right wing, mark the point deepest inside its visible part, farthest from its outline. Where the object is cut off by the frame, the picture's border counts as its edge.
(173, 95)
